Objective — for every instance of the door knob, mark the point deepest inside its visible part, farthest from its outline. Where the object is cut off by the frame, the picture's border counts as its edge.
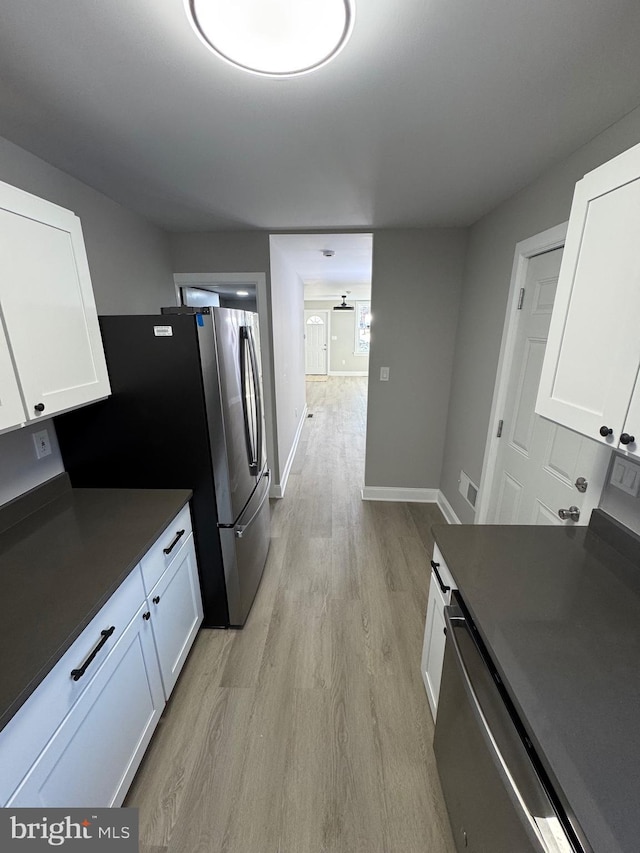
(605, 431)
(573, 513)
(625, 438)
(581, 484)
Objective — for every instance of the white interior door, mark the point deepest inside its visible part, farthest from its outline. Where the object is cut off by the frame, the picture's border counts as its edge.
(539, 462)
(315, 341)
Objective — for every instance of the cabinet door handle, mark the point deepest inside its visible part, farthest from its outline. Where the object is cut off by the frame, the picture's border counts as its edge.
(605, 431)
(77, 674)
(443, 586)
(146, 616)
(39, 407)
(625, 438)
(170, 548)
(156, 599)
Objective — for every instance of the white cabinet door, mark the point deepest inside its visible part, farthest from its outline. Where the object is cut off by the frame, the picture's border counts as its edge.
(593, 350)
(94, 754)
(628, 441)
(47, 305)
(176, 613)
(433, 648)
(434, 634)
(12, 412)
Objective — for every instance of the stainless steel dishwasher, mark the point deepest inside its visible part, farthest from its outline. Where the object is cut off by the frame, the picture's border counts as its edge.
(496, 800)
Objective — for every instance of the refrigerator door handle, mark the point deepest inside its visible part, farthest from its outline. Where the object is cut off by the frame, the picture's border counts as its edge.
(257, 399)
(241, 529)
(249, 422)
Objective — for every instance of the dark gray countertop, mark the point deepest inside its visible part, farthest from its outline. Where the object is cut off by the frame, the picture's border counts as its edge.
(559, 610)
(60, 564)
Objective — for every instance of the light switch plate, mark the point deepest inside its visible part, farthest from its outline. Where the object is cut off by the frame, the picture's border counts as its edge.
(625, 475)
(384, 374)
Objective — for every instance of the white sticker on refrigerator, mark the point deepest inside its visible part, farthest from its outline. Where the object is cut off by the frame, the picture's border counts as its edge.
(163, 331)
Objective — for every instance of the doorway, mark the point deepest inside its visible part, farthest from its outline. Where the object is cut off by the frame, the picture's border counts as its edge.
(316, 355)
(535, 467)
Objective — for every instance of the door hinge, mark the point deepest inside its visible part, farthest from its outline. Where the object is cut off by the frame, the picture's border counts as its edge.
(499, 433)
(521, 299)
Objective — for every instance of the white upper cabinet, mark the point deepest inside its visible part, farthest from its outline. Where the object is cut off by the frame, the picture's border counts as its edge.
(48, 310)
(12, 412)
(593, 351)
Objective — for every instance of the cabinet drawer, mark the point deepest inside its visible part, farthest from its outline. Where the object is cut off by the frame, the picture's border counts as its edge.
(25, 736)
(156, 560)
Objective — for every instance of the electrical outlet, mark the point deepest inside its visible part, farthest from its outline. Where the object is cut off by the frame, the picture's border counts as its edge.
(384, 374)
(625, 476)
(42, 443)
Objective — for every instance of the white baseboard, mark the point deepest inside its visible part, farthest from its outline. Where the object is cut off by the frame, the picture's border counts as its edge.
(277, 490)
(348, 373)
(447, 510)
(384, 493)
(429, 496)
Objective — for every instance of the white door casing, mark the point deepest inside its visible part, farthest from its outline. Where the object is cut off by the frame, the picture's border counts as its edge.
(535, 463)
(315, 342)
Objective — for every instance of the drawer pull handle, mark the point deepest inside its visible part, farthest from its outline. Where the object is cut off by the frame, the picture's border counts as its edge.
(156, 599)
(443, 586)
(170, 548)
(77, 674)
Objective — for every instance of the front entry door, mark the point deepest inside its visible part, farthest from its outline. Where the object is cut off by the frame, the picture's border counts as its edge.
(315, 342)
(539, 462)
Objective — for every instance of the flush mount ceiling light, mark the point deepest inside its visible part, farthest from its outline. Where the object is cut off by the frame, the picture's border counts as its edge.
(242, 292)
(274, 38)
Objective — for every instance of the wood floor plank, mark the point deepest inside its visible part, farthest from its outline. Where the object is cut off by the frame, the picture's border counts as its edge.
(354, 820)
(308, 731)
(243, 661)
(163, 780)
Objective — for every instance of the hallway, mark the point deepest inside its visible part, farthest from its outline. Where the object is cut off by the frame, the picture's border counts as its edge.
(309, 730)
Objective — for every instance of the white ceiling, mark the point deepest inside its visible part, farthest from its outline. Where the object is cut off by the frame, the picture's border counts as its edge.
(348, 271)
(435, 111)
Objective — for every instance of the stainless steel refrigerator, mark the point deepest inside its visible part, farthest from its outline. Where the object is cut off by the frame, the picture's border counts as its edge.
(186, 412)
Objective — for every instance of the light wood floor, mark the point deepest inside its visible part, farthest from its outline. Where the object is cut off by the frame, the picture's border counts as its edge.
(309, 730)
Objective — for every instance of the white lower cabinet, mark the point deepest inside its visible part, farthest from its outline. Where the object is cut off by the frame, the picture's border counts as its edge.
(92, 757)
(175, 604)
(434, 631)
(79, 741)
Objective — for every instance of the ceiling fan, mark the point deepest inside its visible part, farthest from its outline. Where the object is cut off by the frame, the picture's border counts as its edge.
(343, 305)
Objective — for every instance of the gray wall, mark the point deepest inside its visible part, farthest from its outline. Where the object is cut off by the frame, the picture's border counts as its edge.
(20, 470)
(220, 251)
(544, 203)
(287, 305)
(619, 504)
(415, 296)
(342, 327)
(128, 258)
(130, 271)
